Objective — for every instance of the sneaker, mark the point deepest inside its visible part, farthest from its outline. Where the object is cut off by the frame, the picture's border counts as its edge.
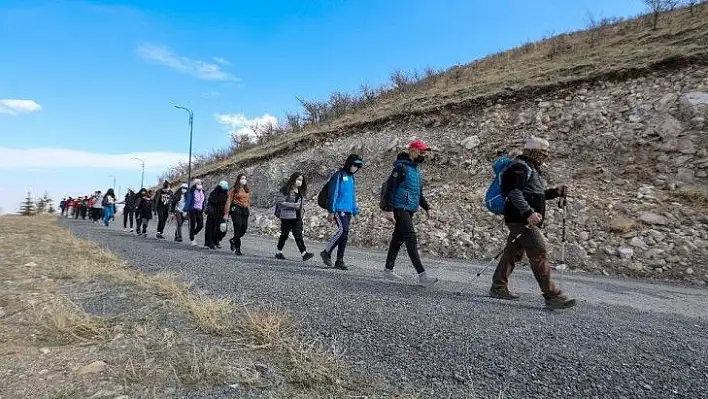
(307, 256)
(238, 252)
(502, 293)
(232, 245)
(389, 274)
(424, 279)
(217, 245)
(193, 243)
(131, 230)
(326, 258)
(340, 265)
(560, 301)
(280, 256)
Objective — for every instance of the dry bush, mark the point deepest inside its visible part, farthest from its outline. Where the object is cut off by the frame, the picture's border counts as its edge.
(694, 195)
(620, 225)
(66, 322)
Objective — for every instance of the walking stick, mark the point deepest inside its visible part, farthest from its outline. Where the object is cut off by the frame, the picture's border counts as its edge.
(495, 258)
(562, 204)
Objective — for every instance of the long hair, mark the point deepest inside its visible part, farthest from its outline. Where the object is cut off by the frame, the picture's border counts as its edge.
(111, 192)
(288, 186)
(237, 184)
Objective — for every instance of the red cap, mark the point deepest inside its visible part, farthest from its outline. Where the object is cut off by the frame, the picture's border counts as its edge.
(418, 145)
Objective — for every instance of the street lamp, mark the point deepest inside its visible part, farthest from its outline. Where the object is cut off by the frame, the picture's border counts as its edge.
(142, 176)
(189, 164)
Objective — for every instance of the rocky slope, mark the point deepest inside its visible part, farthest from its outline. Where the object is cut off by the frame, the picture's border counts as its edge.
(633, 152)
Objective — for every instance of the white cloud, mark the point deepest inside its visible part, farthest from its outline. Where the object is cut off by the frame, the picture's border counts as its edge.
(162, 55)
(16, 106)
(221, 61)
(240, 125)
(56, 158)
(209, 95)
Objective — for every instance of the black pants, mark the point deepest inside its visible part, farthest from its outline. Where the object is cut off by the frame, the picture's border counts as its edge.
(196, 223)
(239, 218)
(144, 225)
(294, 225)
(127, 215)
(341, 237)
(404, 232)
(179, 217)
(162, 214)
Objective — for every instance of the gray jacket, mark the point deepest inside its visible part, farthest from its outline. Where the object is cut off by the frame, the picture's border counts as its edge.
(291, 206)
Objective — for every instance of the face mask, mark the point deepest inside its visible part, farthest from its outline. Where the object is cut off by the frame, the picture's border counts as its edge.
(199, 186)
(184, 190)
(298, 183)
(165, 186)
(419, 159)
(353, 169)
(242, 182)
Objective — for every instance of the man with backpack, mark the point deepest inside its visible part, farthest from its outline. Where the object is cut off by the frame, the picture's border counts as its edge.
(401, 196)
(524, 210)
(338, 196)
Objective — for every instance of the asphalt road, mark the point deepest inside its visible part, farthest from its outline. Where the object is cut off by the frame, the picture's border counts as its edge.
(624, 339)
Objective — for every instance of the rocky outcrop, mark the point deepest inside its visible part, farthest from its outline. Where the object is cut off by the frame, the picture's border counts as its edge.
(630, 151)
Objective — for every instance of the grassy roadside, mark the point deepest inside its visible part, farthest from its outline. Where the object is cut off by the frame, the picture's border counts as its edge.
(76, 321)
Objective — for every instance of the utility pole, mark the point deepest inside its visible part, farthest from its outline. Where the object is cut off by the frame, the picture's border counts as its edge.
(189, 164)
(142, 176)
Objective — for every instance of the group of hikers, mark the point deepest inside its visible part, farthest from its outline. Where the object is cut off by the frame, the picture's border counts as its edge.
(97, 207)
(519, 186)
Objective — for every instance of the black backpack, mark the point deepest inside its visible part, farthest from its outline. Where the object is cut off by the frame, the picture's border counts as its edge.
(323, 196)
(382, 195)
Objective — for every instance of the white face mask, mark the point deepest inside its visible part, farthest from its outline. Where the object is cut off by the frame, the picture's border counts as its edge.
(199, 186)
(243, 182)
(353, 169)
(298, 183)
(184, 190)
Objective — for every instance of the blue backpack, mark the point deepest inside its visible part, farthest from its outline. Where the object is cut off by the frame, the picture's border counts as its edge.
(494, 200)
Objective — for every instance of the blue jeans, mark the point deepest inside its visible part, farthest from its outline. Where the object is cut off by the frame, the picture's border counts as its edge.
(107, 214)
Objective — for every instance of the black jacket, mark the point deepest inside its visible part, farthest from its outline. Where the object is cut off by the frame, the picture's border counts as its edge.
(524, 197)
(161, 199)
(129, 202)
(216, 202)
(144, 210)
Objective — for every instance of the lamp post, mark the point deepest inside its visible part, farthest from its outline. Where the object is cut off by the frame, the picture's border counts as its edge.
(142, 176)
(189, 164)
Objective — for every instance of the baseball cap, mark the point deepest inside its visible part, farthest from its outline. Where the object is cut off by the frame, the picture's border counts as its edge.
(537, 143)
(418, 145)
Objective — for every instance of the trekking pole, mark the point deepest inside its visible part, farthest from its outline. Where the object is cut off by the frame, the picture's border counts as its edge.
(562, 204)
(495, 258)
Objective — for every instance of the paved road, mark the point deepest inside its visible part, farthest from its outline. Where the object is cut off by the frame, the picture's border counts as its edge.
(625, 339)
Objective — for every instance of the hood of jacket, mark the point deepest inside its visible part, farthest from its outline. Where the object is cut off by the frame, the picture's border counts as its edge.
(403, 157)
(351, 161)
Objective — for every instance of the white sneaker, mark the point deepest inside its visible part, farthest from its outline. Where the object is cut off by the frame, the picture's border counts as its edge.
(389, 274)
(424, 279)
(193, 243)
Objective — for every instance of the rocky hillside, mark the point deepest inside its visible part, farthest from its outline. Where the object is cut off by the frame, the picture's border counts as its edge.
(634, 153)
(629, 141)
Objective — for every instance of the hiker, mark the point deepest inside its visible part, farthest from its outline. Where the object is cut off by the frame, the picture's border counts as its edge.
(402, 196)
(97, 209)
(108, 203)
(342, 206)
(83, 207)
(214, 210)
(128, 209)
(62, 206)
(290, 209)
(194, 205)
(177, 209)
(161, 206)
(143, 210)
(524, 213)
(238, 204)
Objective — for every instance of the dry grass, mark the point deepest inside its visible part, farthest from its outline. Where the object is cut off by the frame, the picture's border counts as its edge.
(620, 225)
(607, 50)
(694, 195)
(39, 260)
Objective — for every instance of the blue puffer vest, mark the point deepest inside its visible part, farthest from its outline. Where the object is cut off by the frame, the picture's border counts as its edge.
(407, 195)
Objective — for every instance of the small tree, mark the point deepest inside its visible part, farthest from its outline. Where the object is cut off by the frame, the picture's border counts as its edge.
(44, 204)
(28, 207)
(659, 6)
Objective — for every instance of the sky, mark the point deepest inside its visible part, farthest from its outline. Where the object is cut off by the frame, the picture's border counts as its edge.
(88, 86)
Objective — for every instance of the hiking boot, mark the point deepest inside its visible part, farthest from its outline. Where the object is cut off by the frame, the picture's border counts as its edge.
(307, 256)
(326, 258)
(389, 274)
(340, 265)
(502, 293)
(424, 279)
(280, 256)
(238, 252)
(560, 301)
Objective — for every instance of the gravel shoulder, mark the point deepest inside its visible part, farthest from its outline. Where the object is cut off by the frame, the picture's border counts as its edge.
(624, 339)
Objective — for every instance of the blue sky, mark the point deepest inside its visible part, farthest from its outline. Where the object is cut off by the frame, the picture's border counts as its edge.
(85, 86)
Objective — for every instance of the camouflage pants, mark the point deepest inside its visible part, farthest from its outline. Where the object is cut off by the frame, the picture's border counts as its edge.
(532, 242)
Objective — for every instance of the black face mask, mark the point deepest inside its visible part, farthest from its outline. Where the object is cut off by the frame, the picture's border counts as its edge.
(419, 159)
